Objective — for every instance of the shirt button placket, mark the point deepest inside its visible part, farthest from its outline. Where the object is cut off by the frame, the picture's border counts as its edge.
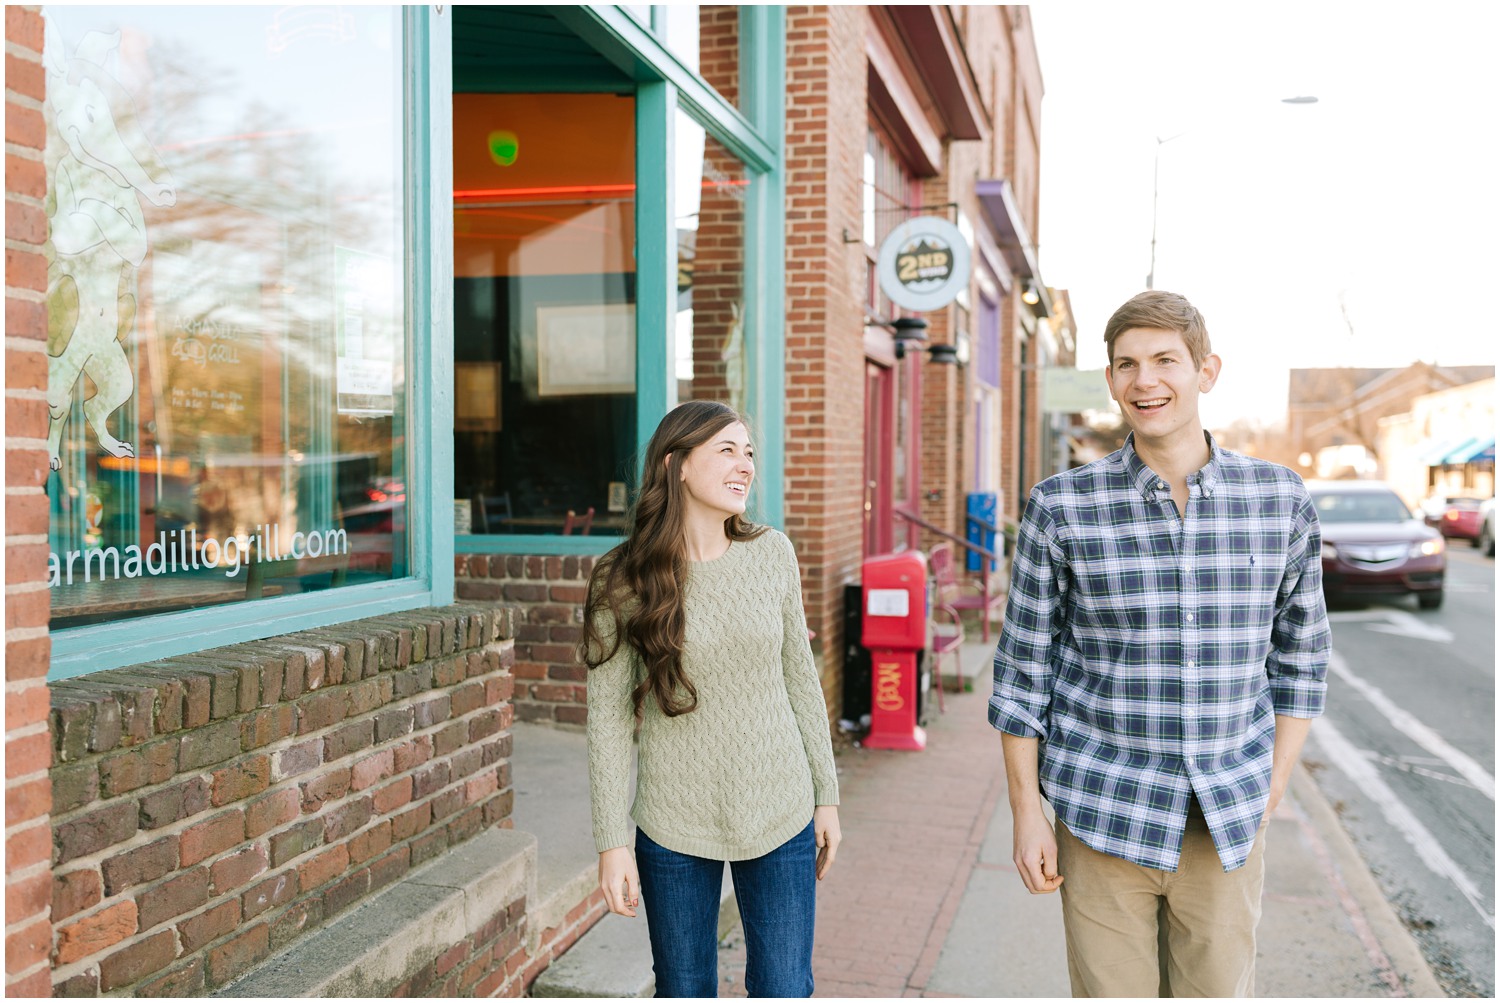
(1189, 632)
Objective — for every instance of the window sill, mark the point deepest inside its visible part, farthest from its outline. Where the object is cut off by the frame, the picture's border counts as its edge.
(516, 543)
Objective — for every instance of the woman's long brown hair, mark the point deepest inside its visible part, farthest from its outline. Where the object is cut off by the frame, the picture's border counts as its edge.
(638, 585)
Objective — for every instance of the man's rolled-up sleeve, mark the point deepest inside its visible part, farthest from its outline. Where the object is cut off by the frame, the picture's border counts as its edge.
(1300, 637)
(1034, 619)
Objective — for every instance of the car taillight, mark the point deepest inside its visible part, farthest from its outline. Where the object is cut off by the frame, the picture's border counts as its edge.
(1451, 514)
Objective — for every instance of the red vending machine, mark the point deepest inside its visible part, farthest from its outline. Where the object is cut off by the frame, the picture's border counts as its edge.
(894, 630)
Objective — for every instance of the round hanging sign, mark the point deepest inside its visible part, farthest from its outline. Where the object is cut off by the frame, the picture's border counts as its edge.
(923, 263)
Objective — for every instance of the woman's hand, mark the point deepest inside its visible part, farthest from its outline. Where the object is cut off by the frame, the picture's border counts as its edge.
(620, 881)
(826, 828)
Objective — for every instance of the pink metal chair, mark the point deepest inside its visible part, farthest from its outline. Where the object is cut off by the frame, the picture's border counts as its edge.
(947, 624)
(952, 588)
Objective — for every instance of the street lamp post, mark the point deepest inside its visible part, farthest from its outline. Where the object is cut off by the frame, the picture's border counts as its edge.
(1156, 181)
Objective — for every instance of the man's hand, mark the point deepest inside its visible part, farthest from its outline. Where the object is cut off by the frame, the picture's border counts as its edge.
(620, 881)
(826, 827)
(1035, 850)
(1035, 853)
(1278, 791)
(1291, 733)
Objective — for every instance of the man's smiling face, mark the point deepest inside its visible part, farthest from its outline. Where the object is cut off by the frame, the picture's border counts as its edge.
(1155, 382)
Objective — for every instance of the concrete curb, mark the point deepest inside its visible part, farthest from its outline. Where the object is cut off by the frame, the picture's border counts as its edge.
(613, 959)
(1392, 936)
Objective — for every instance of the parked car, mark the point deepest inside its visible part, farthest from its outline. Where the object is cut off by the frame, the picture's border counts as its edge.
(1459, 518)
(1485, 541)
(1374, 546)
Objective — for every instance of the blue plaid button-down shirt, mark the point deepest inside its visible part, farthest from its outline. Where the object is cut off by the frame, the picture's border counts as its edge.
(1150, 654)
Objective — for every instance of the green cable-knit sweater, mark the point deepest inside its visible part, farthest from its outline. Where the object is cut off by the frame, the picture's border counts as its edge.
(740, 775)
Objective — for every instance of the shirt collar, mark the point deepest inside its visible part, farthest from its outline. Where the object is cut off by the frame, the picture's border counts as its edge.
(1155, 488)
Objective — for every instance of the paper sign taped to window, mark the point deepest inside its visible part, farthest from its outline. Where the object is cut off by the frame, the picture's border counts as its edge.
(887, 602)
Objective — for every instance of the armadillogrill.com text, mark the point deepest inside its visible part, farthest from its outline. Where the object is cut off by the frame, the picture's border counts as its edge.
(180, 550)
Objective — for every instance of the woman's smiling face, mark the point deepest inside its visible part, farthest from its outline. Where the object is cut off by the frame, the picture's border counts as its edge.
(716, 475)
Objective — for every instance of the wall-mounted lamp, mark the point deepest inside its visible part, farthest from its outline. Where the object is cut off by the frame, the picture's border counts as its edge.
(1030, 296)
(912, 331)
(907, 329)
(956, 354)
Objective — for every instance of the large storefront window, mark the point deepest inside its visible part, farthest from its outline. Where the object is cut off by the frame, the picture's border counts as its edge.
(226, 306)
(544, 311)
(712, 359)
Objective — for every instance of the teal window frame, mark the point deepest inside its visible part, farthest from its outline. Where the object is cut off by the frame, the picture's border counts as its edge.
(428, 73)
(754, 134)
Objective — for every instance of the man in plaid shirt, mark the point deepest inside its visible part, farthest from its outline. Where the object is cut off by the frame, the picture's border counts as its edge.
(1165, 649)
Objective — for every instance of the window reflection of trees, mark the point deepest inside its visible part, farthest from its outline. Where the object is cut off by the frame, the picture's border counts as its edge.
(242, 268)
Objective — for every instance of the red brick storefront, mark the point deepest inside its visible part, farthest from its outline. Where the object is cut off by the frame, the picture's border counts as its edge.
(172, 826)
(28, 795)
(829, 115)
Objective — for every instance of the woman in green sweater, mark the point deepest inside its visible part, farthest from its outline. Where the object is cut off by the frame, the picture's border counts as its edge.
(694, 627)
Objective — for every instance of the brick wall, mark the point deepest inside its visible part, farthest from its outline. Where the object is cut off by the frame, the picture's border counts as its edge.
(1010, 406)
(719, 356)
(548, 593)
(524, 963)
(827, 119)
(944, 394)
(209, 809)
(1033, 420)
(997, 43)
(983, 33)
(1025, 170)
(28, 875)
(499, 959)
(719, 48)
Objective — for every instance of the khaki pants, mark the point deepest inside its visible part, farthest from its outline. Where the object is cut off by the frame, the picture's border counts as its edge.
(1202, 944)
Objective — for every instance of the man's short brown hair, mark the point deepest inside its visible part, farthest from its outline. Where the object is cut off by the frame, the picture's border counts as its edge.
(1161, 311)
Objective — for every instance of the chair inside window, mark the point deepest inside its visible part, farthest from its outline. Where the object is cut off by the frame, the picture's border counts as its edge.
(297, 571)
(492, 512)
(581, 523)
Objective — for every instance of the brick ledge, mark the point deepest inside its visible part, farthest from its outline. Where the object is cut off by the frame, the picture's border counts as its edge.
(390, 936)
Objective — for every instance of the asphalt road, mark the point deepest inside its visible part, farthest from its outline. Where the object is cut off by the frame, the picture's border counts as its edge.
(1406, 755)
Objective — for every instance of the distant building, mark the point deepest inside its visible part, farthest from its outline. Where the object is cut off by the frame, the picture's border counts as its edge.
(1333, 415)
(1445, 445)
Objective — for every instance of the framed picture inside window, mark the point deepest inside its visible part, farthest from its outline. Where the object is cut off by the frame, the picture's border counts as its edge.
(585, 349)
(476, 396)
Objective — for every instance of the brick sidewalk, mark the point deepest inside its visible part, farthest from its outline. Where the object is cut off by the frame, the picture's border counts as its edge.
(916, 874)
(913, 824)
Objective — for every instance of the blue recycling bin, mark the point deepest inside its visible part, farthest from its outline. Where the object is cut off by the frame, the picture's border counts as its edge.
(983, 505)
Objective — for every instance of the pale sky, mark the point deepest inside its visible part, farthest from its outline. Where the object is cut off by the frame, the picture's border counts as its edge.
(1383, 194)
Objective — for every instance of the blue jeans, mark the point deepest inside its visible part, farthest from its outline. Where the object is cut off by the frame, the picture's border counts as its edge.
(776, 894)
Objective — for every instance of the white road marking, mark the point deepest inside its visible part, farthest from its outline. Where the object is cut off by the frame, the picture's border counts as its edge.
(1404, 624)
(1407, 725)
(1338, 615)
(1403, 764)
(1428, 850)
